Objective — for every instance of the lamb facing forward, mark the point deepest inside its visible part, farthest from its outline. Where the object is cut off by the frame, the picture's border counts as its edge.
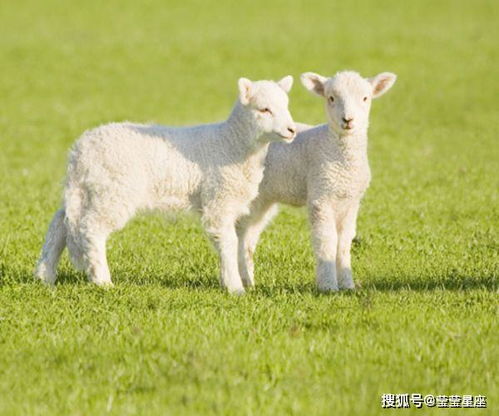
(119, 169)
(325, 168)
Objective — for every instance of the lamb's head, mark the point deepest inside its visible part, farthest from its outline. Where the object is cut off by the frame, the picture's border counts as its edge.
(266, 106)
(348, 97)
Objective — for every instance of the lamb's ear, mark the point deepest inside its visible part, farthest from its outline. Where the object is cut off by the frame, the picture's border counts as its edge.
(382, 83)
(245, 87)
(313, 82)
(286, 83)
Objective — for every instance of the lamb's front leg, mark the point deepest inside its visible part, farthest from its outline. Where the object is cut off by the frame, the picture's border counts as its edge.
(346, 233)
(223, 234)
(249, 230)
(324, 240)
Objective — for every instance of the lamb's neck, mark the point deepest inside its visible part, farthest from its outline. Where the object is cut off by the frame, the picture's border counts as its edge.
(257, 156)
(240, 131)
(351, 148)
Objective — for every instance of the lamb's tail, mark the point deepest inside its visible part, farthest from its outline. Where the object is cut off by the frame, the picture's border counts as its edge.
(55, 241)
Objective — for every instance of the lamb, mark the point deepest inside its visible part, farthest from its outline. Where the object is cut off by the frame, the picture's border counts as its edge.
(120, 169)
(325, 168)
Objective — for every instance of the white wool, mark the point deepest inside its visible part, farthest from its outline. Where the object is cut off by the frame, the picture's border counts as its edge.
(325, 168)
(302, 127)
(120, 169)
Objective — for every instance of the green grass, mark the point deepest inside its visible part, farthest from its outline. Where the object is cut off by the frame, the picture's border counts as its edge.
(166, 340)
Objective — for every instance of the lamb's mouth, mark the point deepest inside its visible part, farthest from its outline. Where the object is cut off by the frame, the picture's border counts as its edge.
(286, 138)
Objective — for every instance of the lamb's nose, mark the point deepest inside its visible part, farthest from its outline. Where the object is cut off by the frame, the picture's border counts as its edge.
(347, 120)
(292, 130)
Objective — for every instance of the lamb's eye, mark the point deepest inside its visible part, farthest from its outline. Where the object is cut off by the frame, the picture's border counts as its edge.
(265, 110)
(331, 99)
(364, 99)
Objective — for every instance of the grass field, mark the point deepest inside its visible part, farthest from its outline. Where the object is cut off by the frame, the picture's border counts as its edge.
(166, 340)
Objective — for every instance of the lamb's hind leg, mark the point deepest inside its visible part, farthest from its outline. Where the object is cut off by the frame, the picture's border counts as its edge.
(97, 268)
(88, 251)
(55, 241)
(249, 231)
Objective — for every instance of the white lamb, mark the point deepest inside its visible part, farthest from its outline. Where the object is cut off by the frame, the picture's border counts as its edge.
(325, 168)
(119, 169)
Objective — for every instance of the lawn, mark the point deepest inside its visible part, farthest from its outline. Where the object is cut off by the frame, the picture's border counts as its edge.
(166, 340)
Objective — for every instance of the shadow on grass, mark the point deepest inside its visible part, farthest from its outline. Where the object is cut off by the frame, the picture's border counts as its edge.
(450, 283)
(208, 283)
(69, 276)
(446, 283)
(170, 282)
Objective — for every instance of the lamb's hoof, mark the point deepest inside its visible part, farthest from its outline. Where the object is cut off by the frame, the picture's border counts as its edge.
(238, 291)
(41, 274)
(346, 285)
(105, 284)
(45, 282)
(326, 287)
(248, 284)
(345, 279)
